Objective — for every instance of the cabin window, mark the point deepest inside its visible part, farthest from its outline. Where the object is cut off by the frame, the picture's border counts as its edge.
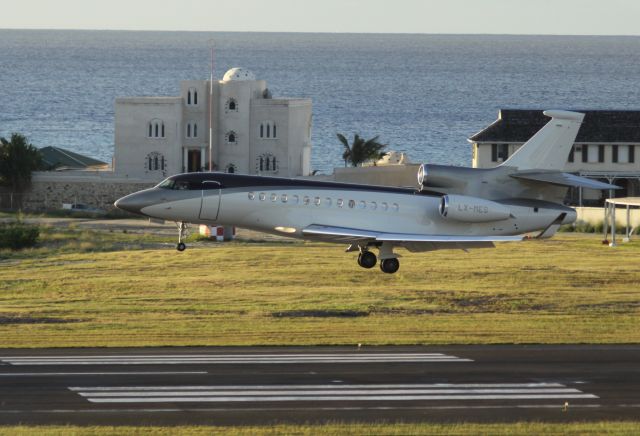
(395, 207)
(384, 206)
(327, 202)
(284, 198)
(352, 204)
(274, 197)
(306, 200)
(374, 205)
(340, 202)
(263, 196)
(252, 195)
(362, 205)
(317, 201)
(295, 199)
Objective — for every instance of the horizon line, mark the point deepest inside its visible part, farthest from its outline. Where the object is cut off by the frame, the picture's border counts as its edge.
(316, 33)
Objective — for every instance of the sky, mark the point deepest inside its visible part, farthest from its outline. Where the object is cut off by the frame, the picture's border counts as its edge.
(556, 17)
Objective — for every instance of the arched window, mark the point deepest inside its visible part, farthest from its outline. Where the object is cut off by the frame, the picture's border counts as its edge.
(266, 163)
(268, 130)
(192, 96)
(192, 130)
(155, 162)
(231, 137)
(231, 169)
(155, 129)
(231, 105)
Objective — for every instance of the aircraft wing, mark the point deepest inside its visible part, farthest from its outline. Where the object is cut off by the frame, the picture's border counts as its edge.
(563, 179)
(342, 234)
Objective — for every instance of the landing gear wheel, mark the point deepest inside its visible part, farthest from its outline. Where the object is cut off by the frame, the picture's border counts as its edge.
(389, 266)
(367, 259)
(182, 228)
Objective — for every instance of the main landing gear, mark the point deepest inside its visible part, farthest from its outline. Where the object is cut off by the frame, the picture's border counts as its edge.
(390, 266)
(182, 229)
(389, 262)
(367, 259)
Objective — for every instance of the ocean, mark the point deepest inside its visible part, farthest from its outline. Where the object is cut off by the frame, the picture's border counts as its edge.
(422, 94)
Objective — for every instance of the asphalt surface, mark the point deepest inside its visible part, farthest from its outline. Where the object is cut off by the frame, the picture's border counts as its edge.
(169, 386)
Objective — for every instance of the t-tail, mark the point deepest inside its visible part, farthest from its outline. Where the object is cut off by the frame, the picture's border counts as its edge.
(548, 149)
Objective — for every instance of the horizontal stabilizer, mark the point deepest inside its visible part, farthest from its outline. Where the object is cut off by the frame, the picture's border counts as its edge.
(563, 179)
(341, 234)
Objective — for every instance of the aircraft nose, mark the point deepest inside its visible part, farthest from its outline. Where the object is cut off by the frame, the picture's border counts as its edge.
(130, 203)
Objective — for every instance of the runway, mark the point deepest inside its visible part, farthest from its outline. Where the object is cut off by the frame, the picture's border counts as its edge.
(260, 385)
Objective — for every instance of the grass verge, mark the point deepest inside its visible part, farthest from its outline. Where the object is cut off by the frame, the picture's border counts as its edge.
(598, 428)
(88, 288)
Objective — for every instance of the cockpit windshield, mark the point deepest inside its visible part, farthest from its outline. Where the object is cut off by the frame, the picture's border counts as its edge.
(193, 184)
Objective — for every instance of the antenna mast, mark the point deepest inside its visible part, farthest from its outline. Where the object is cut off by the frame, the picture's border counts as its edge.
(211, 109)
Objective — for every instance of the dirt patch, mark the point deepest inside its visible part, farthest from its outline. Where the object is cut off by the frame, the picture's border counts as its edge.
(6, 320)
(320, 314)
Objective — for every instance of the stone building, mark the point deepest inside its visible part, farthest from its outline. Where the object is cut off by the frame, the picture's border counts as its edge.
(606, 148)
(253, 133)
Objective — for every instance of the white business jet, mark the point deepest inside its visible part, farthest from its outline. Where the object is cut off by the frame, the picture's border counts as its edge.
(451, 207)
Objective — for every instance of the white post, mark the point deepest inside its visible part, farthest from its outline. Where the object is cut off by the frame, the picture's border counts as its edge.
(613, 226)
(202, 157)
(605, 226)
(628, 232)
(185, 159)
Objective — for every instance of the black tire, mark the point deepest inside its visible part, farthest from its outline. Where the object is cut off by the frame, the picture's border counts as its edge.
(181, 246)
(390, 266)
(367, 259)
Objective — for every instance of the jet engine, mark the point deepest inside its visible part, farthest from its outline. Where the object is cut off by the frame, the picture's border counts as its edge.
(472, 209)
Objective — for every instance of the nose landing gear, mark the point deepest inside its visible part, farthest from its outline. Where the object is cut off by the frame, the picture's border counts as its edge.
(182, 229)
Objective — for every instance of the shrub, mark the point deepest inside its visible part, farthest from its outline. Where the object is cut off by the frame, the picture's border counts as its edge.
(18, 235)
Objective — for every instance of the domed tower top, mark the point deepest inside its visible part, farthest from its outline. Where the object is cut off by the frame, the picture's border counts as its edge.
(238, 74)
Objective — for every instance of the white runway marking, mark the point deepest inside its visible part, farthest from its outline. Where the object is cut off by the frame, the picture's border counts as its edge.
(283, 393)
(43, 374)
(176, 359)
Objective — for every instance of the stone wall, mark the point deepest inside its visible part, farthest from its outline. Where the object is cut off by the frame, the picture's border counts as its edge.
(50, 190)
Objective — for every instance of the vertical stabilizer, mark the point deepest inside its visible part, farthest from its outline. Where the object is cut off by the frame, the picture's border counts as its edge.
(549, 148)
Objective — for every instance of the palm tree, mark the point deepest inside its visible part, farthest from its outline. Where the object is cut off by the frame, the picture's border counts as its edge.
(18, 159)
(361, 150)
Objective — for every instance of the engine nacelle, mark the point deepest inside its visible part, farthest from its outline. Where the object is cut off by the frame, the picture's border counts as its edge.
(472, 209)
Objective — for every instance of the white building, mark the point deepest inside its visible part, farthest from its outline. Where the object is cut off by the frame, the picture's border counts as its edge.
(606, 148)
(253, 133)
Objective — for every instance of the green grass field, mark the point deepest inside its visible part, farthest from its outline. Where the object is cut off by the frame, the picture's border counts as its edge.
(574, 429)
(98, 288)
